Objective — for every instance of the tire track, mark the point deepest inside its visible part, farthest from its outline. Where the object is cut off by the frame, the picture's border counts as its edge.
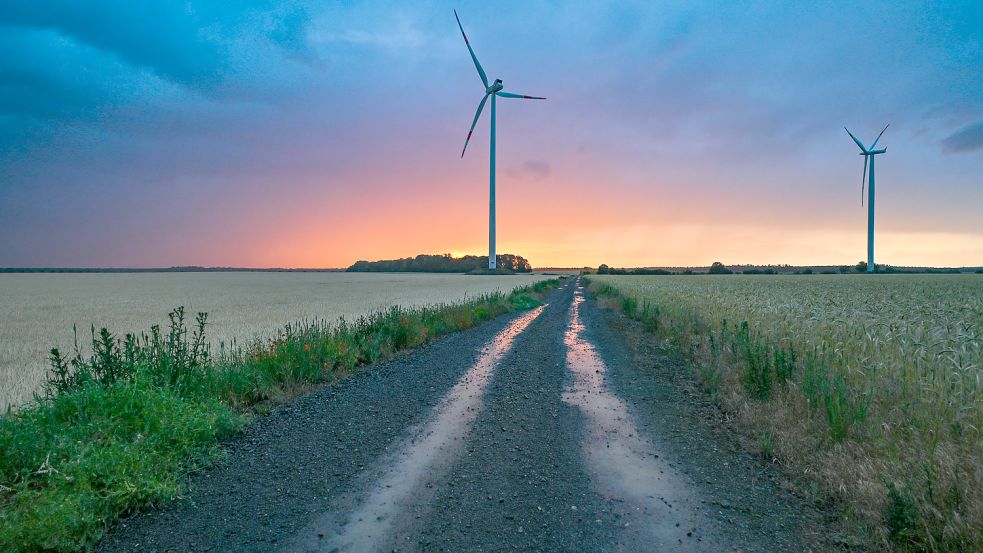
(420, 456)
(626, 466)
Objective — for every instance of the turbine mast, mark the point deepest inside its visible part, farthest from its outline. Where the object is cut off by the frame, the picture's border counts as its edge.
(492, 259)
(870, 216)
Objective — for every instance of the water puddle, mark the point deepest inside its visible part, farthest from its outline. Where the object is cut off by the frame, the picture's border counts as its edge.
(398, 484)
(625, 466)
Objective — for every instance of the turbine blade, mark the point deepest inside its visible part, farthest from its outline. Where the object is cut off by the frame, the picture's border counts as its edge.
(863, 182)
(523, 96)
(481, 72)
(477, 114)
(859, 143)
(879, 136)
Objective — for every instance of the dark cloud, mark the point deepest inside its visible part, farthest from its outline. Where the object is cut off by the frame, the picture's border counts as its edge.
(966, 139)
(170, 39)
(532, 168)
(200, 47)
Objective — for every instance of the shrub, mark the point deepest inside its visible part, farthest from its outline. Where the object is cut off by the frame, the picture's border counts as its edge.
(717, 268)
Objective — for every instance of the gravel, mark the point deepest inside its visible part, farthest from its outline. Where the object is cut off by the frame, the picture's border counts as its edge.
(517, 482)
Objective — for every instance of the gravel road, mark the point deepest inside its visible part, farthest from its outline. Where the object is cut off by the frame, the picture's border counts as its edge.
(542, 431)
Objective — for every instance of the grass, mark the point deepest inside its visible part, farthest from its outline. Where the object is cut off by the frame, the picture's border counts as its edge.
(871, 387)
(119, 429)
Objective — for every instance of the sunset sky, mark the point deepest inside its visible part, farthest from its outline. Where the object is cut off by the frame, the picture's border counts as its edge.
(277, 134)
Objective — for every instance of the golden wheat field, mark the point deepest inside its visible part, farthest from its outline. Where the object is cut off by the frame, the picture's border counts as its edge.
(894, 336)
(39, 309)
(873, 385)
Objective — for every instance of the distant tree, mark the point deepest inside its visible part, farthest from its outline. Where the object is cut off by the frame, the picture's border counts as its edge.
(444, 263)
(603, 269)
(805, 272)
(515, 263)
(717, 268)
(860, 267)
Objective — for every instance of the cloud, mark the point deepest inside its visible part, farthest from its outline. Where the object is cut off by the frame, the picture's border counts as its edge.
(534, 169)
(198, 47)
(966, 139)
(165, 38)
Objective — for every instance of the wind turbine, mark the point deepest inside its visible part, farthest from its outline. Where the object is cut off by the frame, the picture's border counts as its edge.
(494, 90)
(869, 154)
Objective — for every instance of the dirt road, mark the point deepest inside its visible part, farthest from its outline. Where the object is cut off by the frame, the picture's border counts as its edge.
(541, 431)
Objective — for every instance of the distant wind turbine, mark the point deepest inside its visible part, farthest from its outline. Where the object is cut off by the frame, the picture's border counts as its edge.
(493, 90)
(869, 154)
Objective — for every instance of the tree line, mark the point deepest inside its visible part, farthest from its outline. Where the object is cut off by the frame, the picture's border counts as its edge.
(444, 263)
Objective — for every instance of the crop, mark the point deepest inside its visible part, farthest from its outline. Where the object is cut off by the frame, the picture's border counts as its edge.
(41, 308)
(871, 385)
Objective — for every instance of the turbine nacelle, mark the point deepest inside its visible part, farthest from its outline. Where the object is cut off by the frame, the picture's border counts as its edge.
(868, 152)
(495, 89)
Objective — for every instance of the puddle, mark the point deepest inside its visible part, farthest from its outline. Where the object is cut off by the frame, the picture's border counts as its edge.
(626, 467)
(398, 486)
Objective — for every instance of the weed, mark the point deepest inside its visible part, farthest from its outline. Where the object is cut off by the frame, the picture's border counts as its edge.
(765, 446)
(901, 517)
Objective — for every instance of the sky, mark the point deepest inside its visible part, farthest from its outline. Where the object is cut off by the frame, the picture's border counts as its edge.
(305, 134)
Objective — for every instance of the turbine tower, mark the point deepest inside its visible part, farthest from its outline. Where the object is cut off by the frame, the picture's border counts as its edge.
(869, 154)
(493, 90)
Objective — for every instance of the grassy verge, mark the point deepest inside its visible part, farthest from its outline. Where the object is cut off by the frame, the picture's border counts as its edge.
(893, 438)
(120, 429)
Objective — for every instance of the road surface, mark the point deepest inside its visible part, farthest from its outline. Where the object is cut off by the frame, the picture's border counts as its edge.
(540, 431)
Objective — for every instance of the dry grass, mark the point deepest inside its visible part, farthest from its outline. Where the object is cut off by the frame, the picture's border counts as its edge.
(871, 387)
(40, 309)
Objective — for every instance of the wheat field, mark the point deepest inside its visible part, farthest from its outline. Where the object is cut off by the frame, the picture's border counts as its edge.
(871, 384)
(39, 309)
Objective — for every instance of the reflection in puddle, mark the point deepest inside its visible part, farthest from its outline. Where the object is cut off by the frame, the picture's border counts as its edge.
(397, 485)
(624, 465)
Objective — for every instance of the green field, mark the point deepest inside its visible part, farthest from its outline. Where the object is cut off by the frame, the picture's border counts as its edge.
(870, 386)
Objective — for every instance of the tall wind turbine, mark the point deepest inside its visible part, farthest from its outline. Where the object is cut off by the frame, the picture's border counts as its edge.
(869, 154)
(493, 90)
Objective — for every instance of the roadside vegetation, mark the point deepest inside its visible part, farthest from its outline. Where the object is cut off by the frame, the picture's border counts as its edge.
(120, 429)
(870, 390)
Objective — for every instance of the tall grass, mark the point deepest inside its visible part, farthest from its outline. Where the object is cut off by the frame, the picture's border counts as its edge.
(871, 386)
(119, 429)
